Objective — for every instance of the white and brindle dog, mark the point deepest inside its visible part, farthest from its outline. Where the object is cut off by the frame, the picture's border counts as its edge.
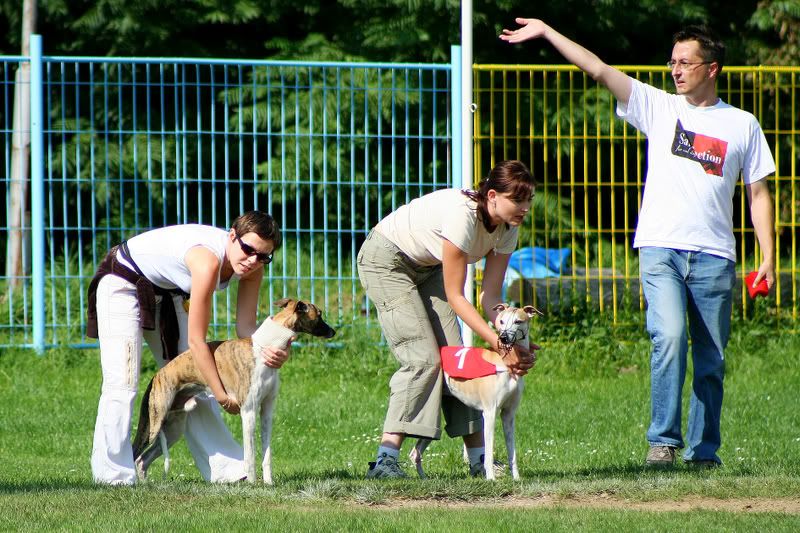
(170, 394)
(501, 390)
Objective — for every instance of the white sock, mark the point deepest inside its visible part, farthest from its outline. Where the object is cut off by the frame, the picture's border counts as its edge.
(386, 451)
(475, 455)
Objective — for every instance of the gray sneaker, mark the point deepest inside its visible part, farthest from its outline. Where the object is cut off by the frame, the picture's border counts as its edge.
(385, 467)
(660, 456)
(477, 470)
(702, 463)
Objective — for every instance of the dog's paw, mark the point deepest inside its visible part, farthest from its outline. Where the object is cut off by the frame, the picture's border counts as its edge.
(141, 473)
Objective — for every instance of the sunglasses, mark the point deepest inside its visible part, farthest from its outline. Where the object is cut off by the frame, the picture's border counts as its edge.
(249, 251)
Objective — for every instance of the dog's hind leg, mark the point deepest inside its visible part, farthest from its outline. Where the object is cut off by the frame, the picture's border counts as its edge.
(508, 416)
(162, 440)
(416, 455)
(172, 429)
(156, 403)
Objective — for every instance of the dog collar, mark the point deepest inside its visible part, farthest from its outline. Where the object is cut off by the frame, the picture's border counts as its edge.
(270, 333)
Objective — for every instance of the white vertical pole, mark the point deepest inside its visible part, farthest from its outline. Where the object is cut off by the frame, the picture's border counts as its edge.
(455, 114)
(466, 135)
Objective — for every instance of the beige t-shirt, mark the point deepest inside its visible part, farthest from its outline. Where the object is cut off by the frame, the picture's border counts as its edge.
(418, 228)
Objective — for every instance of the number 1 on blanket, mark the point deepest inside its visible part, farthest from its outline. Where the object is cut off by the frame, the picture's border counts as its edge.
(461, 354)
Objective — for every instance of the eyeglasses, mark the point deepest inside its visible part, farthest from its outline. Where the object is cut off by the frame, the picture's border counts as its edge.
(683, 65)
(249, 251)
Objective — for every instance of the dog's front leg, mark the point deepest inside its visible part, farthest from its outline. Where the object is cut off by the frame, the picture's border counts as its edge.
(266, 438)
(249, 440)
(508, 415)
(489, 416)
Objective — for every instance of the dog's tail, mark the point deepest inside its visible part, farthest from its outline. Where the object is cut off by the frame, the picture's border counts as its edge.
(141, 442)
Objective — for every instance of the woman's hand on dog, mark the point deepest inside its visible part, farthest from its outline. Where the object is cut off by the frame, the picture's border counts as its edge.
(230, 405)
(521, 360)
(275, 357)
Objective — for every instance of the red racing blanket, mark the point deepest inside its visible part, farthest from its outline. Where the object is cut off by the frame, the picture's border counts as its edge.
(466, 363)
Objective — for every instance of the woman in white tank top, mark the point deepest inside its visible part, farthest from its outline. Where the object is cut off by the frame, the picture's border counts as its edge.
(174, 261)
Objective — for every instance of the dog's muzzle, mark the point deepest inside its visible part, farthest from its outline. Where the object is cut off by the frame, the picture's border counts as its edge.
(511, 337)
(323, 330)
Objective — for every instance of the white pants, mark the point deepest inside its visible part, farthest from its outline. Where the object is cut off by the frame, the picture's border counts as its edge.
(217, 455)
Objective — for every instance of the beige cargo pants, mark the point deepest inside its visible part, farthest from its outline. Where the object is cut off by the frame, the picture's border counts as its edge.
(416, 320)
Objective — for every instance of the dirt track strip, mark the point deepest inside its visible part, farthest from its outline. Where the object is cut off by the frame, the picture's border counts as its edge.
(739, 505)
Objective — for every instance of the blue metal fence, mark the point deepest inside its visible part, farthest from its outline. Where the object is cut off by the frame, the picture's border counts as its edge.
(125, 145)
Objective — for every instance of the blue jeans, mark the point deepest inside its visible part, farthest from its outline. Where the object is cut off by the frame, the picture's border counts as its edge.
(677, 283)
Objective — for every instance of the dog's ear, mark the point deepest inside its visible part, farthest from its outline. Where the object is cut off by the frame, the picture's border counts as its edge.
(301, 307)
(500, 307)
(532, 311)
(283, 302)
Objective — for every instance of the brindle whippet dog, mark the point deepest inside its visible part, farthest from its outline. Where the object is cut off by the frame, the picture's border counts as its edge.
(170, 394)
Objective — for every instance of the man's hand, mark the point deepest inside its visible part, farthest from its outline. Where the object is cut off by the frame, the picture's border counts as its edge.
(275, 357)
(530, 29)
(765, 271)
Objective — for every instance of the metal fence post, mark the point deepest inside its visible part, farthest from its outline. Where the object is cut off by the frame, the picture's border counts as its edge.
(37, 193)
(455, 113)
(467, 149)
(457, 179)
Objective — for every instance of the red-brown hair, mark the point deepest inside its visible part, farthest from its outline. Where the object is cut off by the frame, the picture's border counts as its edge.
(510, 177)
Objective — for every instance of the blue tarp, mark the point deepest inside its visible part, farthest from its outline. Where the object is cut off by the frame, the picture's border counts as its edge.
(535, 262)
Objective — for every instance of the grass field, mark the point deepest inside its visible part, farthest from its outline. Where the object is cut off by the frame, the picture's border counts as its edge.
(580, 438)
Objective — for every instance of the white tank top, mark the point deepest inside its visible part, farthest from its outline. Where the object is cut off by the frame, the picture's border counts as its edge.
(160, 253)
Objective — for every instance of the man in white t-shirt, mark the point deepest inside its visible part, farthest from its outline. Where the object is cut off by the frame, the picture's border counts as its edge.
(698, 146)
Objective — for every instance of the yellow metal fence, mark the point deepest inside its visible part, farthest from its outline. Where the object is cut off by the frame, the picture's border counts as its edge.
(590, 166)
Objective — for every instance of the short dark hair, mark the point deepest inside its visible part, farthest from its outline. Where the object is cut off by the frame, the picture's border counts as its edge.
(711, 47)
(261, 224)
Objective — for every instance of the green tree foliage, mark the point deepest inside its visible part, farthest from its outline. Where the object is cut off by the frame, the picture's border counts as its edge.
(620, 31)
(779, 23)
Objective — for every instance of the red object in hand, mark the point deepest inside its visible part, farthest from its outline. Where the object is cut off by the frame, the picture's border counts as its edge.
(762, 289)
